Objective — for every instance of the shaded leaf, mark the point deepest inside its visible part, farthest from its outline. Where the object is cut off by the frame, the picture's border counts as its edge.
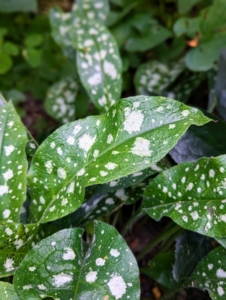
(187, 26)
(61, 266)
(185, 6)
(160, 269)
(16, 241)
(11, 6)
(7, 291)
(210, 274)
(192, 194)
(5, 63)
(134, 134)
(60, 100)
(11, 48)
(220, 84)
(197, 142)
(190, 248)
(13, 163)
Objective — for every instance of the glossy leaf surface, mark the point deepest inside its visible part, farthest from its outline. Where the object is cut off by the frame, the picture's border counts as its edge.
(62, 266)
(13, 164)
(210, 274)
(15, 242)
(60, 100)
(192, 194)
(99, 149)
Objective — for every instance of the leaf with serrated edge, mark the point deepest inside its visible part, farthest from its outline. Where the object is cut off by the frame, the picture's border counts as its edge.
(135, 133)
(192, 194)
(7, 291)
(13, 164)
(59, 266)
(60, 99)
(210, 274)
(16, 241)
(99, 63)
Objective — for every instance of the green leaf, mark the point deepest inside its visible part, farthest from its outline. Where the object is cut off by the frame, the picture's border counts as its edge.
(192, 194)
(33, 40)
(62, 266)
(5, 63)
(60, 100)
(33, 57)
(134, 134)
(156, 77)
(93, 9)
(10, 6)
(217, 82)
(197, 142)
(10, 48)
(184, 6)
(3, 32)
(156, 35)
(99, 64)
(188, 26)
(13, 164)
(15, 95)
(16, 241)
(160, 269)
(210, 274)
(191, 247)
(7, 291)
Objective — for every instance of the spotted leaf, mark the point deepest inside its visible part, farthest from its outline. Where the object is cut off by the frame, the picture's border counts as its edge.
(13, 164)
(61, 266)
(60, 100)
(192, 194)
(16, 241)
(93, 9)
(155, 77)
(210, 274)
(7, 291)
(99, 63)
(134, 134)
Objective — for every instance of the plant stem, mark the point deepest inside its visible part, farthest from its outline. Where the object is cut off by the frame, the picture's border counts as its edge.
(138, 214)
(170, 240)
(169, 231)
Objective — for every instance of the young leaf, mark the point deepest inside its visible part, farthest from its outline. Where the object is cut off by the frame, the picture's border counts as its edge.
(93, 9)
(197, 142)
(210, 274)
(60, 100)
(61, 266)
(16, 241)
(192, 194)
(191, 247)
(13, 164)
(99, 64)
(135, 133)
(155, 77)
(7, 291)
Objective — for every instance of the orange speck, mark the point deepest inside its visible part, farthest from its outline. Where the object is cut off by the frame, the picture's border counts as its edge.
(156, 292)
(193, 43)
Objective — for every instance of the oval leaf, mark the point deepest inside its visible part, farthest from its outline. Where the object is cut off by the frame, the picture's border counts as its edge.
(60, 100)
(7, 291)
(192, 194)
(63, 267)
(13, 163)
(210, 274)
(135, 133)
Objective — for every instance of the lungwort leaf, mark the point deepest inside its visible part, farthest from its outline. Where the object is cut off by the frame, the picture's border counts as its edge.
(210, 274)
(7, 291)
(193, 195)
(93, 9)
(135, 133)
(60, 101)
(63, 267)
(13, 163)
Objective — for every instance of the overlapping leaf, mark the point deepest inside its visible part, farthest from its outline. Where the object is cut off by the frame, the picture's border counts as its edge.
(60, 100)
(210, 274)
(63, 266)
(192, 194)
(13, 164)
(155, 77)
(99, 63)
(135, 133)
(16, 241)
(7, 291)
